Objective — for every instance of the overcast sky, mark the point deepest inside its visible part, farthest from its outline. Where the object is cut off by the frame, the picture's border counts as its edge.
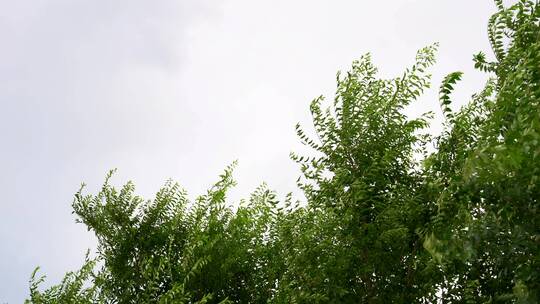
(179, 89)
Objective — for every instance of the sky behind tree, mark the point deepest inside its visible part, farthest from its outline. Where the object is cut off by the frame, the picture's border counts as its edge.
(180, 89)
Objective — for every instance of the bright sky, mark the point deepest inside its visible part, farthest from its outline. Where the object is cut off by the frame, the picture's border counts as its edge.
(180, 89)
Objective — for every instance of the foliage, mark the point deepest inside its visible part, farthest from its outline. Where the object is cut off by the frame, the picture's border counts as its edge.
(170, 251)
(364, 191)
(486, 171)
(70, 290)
(384, 221)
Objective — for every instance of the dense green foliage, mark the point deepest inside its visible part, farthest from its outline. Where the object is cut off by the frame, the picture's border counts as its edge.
(385, 220)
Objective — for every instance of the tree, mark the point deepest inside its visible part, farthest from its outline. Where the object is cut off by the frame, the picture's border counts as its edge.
(384, 221)
(170, 250)
(364, 192)
(486, 171)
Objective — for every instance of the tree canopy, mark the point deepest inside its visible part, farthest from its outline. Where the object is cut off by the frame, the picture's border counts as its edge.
(386, 219)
